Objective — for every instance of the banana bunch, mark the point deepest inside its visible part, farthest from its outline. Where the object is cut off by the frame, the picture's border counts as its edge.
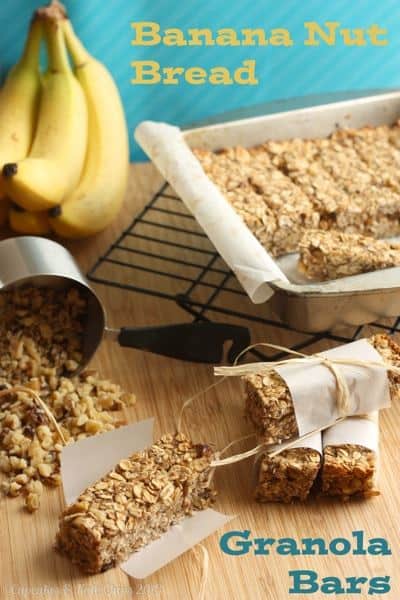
(64, 150)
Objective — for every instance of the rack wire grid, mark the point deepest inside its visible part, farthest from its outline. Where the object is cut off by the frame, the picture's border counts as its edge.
(165, 253)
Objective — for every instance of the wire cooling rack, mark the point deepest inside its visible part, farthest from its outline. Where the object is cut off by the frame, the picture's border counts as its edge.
(165, 253)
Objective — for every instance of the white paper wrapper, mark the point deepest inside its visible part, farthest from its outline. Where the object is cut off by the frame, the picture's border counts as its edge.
(250, 262)
(86, 461)
(313, 386)
(314, 442)
(361, 431)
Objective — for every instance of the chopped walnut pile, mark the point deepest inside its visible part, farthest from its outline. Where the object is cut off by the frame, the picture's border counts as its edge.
(40, 346)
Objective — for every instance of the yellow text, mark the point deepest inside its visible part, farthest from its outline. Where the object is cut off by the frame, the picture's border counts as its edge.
(150, 72)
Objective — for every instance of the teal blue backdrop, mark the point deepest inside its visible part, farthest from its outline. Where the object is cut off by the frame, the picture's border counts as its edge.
(283, 72)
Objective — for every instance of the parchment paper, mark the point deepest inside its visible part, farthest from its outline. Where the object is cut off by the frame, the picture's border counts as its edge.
(362, 431)
(250, 262)
(313, 386)
(313, 441)
(86, 461)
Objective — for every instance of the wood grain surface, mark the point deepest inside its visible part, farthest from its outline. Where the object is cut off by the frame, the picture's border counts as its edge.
(29, 566)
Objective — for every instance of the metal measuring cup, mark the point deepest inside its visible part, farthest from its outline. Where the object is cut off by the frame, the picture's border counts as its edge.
(41, 262)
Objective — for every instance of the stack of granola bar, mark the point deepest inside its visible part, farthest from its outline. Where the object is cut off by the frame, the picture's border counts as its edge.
(344, 470)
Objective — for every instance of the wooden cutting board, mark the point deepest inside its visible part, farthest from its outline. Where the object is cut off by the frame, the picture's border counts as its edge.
(30, 568)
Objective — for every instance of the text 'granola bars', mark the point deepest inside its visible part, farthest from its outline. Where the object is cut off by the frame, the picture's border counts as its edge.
(136, 502)
(332, 254)
(270, 406)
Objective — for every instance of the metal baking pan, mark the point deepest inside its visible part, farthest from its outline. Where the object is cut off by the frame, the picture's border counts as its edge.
(313, 307)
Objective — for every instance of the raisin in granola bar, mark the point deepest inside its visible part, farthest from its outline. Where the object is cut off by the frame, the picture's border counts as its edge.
(136, 503)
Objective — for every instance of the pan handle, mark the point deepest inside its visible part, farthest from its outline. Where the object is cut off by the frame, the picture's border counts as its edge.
(197, 342)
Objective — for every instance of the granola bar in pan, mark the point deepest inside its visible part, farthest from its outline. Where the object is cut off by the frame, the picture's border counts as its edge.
(250, 182)
(349, 181)
(332, 254)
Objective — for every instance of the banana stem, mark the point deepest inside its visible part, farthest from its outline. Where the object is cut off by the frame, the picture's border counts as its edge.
(56, 48)
(77, 50)
(30, 55)
(57, 6)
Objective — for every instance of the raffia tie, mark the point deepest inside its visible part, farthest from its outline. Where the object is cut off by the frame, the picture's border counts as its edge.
(264, 368)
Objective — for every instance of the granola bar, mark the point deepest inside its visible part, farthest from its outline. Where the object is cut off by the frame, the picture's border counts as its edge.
(270, 407)
(288, 476)
(332, 254)
(299, 160)
(359, 161)
(366, 200)
(348, 193)
(350, 458)
(349, 470)
(269, 404)
(136, 503)
(292, 209)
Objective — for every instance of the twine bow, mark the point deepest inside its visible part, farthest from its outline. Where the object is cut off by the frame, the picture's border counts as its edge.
(264, 368)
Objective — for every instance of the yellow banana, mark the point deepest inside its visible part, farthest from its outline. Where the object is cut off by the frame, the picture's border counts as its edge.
(31, 223)
(54, 165)
(93, 205)
(19, 101)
